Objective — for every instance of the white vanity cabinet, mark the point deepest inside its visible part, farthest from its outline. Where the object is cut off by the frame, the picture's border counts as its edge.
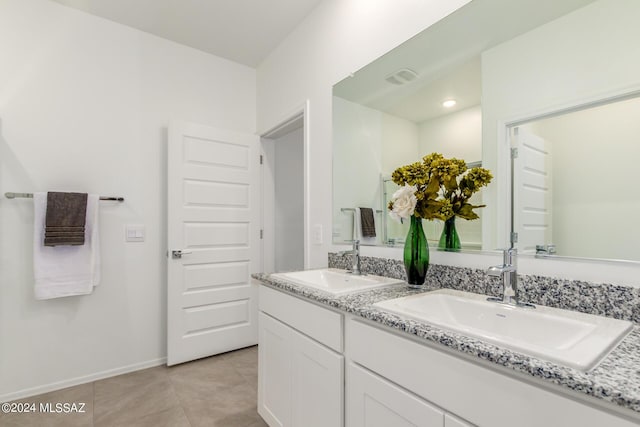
(409, 383)
(301, 368)
(321, 368)
(373, 401)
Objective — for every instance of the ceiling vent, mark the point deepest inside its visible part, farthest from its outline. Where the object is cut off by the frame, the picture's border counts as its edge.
(402, 76)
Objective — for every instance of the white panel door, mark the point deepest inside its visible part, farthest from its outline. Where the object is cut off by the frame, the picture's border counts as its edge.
(532, 191)
(375, 402)
(212, 217)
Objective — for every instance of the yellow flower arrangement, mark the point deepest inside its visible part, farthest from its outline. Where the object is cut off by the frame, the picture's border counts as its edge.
(442, 186)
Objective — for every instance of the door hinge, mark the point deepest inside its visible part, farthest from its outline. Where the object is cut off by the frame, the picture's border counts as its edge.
(261, 159)
(261, 234)
(514, 237)
(514, 153)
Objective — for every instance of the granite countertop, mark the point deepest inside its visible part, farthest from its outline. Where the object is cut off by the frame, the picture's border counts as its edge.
(615, 379)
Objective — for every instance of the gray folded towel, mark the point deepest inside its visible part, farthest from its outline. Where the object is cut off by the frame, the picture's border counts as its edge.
(65, 219)
(367, 222)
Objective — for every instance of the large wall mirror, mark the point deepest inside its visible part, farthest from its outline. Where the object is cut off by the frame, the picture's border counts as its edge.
(514, 68)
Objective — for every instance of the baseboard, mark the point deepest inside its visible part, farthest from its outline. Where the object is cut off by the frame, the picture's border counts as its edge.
(33, 391)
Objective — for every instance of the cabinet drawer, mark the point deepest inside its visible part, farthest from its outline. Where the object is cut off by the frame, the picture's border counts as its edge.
(375, 402)
(321, 324)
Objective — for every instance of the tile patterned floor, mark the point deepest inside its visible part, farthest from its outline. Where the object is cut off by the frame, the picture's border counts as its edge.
(219, 391)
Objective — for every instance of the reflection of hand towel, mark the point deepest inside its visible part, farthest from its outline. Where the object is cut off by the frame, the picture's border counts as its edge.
(65, 270)
(65, 218)
(357, 230)
(367, 222)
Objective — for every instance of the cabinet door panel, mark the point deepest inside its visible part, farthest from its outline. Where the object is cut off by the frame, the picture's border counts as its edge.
(375, 402)
(274, 372)
(317, 384)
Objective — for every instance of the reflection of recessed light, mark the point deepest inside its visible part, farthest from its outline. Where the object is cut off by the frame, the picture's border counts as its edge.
(449, 103)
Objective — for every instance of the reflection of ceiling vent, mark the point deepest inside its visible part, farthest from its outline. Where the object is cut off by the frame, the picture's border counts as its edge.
(402, 76)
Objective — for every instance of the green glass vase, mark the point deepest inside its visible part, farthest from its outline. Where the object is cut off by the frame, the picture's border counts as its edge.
(449, 240)
(416, 254)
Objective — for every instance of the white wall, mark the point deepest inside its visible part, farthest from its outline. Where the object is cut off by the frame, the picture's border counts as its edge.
(456, 135)
(400, 143)
(368, 143)
(595, 154)
(337, 38)
(289, 201)
(84, 105)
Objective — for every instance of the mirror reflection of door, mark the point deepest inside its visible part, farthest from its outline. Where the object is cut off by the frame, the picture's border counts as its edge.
(532, 190)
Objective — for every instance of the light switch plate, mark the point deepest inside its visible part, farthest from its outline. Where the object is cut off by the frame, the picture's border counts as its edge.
(317, 234)
(134, 233)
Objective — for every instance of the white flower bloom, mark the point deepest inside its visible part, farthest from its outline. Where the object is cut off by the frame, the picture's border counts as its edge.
(404, 202)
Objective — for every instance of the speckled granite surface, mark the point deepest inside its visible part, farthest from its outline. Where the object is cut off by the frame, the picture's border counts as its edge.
(616, 379)
(619, 302)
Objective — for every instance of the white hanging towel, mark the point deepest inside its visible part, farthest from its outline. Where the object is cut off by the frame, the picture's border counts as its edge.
(62, 271)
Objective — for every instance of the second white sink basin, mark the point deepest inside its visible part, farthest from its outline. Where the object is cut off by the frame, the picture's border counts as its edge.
(335, 281)
(569, 338)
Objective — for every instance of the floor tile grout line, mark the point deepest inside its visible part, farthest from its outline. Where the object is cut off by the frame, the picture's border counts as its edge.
(186, 417)
(178, 400)
(93, 404)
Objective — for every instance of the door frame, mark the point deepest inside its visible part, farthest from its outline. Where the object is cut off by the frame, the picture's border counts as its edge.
(268, 184)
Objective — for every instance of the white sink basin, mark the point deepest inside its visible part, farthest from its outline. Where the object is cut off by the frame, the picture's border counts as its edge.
(335, 281)
(568, 338)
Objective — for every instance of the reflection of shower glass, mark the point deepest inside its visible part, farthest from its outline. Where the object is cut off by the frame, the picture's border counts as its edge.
(393, 232)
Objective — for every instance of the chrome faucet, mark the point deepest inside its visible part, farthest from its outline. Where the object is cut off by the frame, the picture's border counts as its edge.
(509, 274)
(355, 258)
(544, 250)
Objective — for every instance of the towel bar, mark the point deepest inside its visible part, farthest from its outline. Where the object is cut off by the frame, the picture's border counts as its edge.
(353, 210)
(10, 195)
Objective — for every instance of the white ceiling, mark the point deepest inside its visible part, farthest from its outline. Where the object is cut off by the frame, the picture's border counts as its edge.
(446, 57)
(244, 31)
(463, 84)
